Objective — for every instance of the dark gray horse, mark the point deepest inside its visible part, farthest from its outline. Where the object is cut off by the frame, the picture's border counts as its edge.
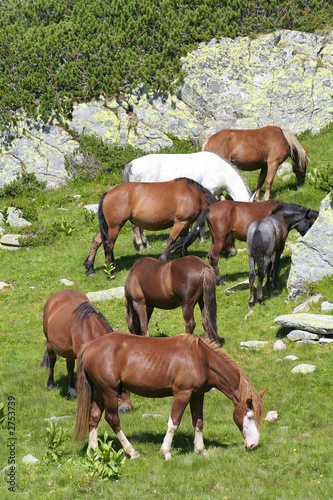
(265, 243)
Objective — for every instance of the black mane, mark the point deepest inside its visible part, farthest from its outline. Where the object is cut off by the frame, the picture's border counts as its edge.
(208, 195)
(82, 311)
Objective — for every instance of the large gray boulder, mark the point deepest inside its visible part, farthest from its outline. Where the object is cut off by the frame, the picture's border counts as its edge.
(248, 82)
(312, 257)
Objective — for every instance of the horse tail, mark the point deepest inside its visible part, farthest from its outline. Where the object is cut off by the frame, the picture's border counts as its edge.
(103, 225)
(195, 233)
(209, 297)
(45, 360)
(297, 153)
(84, 394)
(204, 144)
(258, 253)
(126, 172)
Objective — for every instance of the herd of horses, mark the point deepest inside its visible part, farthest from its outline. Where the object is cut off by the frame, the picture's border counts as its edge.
(159, 192)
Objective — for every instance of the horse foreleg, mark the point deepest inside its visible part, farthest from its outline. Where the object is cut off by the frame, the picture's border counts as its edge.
(70, 370)
(112, 418)
(196, 405)
(179, 404)
(179, 229)
(213, 258)
(261, 180)
(141, 241)
(89, 262)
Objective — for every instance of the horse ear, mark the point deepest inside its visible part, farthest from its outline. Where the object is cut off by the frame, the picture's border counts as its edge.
(261, 393)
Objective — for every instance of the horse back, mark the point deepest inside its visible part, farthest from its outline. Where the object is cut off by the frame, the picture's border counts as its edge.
(147, 366)
(59, 321)
(250, 149)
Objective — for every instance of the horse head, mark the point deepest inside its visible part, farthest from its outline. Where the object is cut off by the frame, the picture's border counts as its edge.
(300, 166)
(247, 419)
(303, 224)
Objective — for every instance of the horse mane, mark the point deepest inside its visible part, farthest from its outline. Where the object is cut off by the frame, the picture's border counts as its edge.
(246, 389)
(82, 311)
(207, 194)
(297, 153)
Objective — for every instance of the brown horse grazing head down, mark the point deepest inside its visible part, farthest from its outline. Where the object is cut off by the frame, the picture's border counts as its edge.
(181, 282)
(183, 367)
(263, 148)
(148, 205)
(69, 321)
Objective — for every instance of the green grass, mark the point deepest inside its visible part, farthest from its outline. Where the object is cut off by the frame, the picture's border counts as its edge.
(294, 456)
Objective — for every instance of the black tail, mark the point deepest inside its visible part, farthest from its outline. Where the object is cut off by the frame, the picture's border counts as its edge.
(103, 226)
(195, 233)
(45, 360)
(258, 253)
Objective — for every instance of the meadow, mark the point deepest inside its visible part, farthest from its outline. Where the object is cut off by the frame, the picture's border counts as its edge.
(294, 458)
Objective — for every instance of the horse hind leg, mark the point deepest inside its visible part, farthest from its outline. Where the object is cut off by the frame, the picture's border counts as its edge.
(89, 262)
(52, 361)
(70, 369)
(252, 277)
(188, 318)
(112, 418)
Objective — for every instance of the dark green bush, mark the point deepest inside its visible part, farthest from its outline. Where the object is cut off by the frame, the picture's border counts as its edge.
(324, 177)
(53, 53)
(26, 184)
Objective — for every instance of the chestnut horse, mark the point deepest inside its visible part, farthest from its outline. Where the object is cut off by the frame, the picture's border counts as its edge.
(149, 205)
(180, 282)
(229, 218)
(263, 148)
(69, 321)
(183, 366)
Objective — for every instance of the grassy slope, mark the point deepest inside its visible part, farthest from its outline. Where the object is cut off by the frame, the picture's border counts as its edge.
(294, 457)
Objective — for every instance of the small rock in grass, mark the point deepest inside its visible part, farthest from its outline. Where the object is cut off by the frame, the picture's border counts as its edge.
(303, 368)
(272, 416)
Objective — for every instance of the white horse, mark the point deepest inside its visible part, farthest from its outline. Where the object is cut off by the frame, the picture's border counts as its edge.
(206, 168)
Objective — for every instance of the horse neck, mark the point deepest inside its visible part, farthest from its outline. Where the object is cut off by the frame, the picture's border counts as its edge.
(235, 185)
(224, 375)
(291, 213)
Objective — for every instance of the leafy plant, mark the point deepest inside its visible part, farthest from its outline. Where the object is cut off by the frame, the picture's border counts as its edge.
(105, 462)
(68, 227)
(324, 177)
(55, 439)
(110, 271)
(27, 183)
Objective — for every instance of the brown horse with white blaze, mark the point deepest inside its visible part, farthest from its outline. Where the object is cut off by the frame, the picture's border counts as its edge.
(69, 321)
(184, 282)
(263, 148)
(184, 367)
(148, 205)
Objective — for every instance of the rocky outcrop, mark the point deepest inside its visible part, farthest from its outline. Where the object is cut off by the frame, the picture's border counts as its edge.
(312, 257)
(248, 82)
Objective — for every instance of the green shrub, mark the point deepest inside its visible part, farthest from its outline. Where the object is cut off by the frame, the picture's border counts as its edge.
(105, 462)
(324, 177)
(27, 183)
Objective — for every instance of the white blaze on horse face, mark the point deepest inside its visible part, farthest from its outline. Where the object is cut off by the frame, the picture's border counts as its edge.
(250, 431)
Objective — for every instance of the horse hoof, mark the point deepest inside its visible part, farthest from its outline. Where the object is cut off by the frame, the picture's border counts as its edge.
(135, 455)
(72, 392)
(90, 273)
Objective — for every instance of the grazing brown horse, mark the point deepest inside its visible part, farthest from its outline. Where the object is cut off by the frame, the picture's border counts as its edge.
(183, 366)
(148, 205)
(229, 218)
(180, 282)
(263, 148)
(69, 321)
